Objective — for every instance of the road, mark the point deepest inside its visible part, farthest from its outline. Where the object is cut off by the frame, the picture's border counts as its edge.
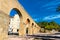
(38, 36)
(46, 36)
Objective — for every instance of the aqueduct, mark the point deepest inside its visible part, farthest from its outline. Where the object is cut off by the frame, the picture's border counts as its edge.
(27, 25)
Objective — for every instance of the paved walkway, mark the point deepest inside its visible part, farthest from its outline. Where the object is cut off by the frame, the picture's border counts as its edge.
(19, 38)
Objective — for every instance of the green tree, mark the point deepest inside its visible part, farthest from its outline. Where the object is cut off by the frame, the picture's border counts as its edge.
(43, 24)
(49, 25)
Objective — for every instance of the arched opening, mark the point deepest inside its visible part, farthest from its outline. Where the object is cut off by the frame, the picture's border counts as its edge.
(26, 30)
(32, 28)
(28, 21)
(15, 21)
(32, 24)
(27, 25)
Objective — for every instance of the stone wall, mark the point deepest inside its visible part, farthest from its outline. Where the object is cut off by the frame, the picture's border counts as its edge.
(6, 6)
(4, 22)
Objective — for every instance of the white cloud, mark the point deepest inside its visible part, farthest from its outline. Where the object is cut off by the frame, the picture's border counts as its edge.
(51, 17)
(52, 3)
(35, 19)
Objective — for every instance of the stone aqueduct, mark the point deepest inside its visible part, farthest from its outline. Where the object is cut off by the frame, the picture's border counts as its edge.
(5, 7)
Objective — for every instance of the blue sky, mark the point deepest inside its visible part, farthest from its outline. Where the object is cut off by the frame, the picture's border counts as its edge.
(42, 10)
(13, 12)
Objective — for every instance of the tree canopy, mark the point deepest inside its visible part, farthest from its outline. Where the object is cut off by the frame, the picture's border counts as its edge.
(49, 25)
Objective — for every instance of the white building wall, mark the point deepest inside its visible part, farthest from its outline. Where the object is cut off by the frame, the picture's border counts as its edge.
(14, 23)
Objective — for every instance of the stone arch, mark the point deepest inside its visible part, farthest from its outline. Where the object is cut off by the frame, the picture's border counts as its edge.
(32, 28)
(27, 25)
(20, 17)
(32, 24)
(28, 20)
(18, 11)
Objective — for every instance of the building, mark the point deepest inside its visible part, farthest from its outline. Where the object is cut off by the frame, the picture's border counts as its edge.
(27, 25)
